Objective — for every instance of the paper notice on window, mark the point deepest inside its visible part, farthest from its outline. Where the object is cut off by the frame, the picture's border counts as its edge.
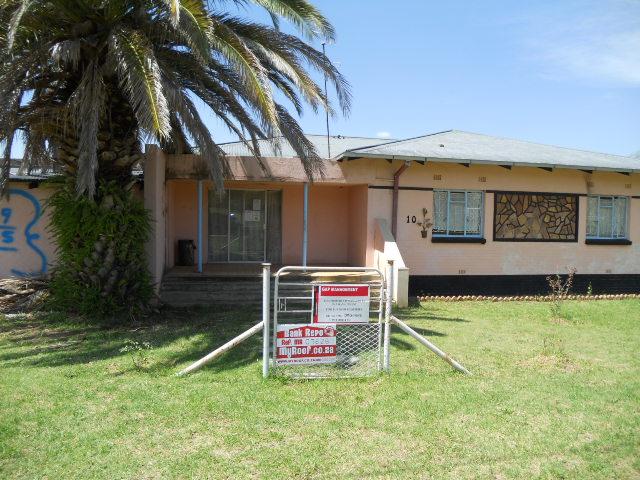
(341, 303)
(251, 216)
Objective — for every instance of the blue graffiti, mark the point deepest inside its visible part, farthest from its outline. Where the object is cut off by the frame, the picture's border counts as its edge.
(7, 233)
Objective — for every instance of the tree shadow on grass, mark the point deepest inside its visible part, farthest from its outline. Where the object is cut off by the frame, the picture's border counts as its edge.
(37, 341)
(55, 340)
(427, 313)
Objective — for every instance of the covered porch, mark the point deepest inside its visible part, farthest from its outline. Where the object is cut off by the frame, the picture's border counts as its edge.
(277, 222)
(273, 216)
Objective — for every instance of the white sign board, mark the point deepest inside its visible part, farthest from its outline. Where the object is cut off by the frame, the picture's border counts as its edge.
(341, 303)
(299, 344)
(252, 215)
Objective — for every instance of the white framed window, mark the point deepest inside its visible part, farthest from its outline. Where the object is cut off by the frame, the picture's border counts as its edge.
(607, 217)
(458, 213)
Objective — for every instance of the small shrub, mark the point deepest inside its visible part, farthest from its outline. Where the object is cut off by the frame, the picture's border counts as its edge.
(139, 353)
(559, 288)
(552, 346)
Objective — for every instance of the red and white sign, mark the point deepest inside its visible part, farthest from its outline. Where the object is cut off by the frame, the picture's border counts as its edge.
(298, 344)
(341, 303)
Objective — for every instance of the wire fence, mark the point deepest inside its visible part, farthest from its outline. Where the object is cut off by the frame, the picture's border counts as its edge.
(306, 345)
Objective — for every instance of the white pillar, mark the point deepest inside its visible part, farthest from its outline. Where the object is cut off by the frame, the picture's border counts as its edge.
(266, 305)
(387, 318)
(305, 224)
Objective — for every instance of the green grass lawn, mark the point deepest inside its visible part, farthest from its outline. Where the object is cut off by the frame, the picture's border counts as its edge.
(548, 399)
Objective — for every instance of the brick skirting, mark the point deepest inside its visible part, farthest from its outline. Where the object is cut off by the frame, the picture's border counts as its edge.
(520, 298)
(518, 285)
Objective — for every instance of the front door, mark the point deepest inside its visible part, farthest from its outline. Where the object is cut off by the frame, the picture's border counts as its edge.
(243, 225)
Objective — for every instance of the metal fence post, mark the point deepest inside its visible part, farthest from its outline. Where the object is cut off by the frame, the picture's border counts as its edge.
(266, 304)
(387, 317)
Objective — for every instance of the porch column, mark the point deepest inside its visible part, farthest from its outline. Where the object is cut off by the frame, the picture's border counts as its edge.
(199, 226)
(305, 224)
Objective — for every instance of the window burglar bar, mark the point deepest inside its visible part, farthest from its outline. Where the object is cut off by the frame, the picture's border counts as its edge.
(458, 213)
(607, 217)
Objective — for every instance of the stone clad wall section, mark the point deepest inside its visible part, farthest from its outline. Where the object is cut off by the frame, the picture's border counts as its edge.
(535, 216)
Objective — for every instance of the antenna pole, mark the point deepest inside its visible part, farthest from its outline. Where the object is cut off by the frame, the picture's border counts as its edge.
(326, 108)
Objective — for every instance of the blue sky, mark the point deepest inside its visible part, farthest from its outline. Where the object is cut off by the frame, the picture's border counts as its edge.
(564, 73)
(558, 72)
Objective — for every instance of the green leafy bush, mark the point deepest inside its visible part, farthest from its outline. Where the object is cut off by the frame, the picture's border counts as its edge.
(101, 268)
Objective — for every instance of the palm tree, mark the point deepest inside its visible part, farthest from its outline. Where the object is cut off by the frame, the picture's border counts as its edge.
(85, 81)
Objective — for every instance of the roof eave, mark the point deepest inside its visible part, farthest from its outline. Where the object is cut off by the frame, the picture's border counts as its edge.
(353, 154)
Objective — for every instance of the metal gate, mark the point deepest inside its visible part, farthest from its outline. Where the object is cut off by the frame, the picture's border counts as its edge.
(324, 325)
(324, 313)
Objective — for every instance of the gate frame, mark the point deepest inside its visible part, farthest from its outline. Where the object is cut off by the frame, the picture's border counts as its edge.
(269, 339)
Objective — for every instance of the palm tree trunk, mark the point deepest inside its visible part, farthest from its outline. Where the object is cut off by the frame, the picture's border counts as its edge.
(118, 147)
(108, 258)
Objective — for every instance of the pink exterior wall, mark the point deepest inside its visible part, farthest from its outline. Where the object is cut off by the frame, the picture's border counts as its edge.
(19, 255)
(182, 215)
(345, 206)
(292, 196)
(328, 225)
(358, 204)
(343, 209)
(26, 246)
(503, 258)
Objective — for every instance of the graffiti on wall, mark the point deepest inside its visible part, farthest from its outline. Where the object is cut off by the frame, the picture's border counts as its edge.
(535, 216)
(12, 228)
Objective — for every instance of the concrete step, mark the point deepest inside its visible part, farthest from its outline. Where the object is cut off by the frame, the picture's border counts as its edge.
(183, 300)
(196, 289)
(199, 290)
(210, 288)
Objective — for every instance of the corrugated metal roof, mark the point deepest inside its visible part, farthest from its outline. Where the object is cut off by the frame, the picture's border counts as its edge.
(466, 147)
(338, 143)
(33, 176)
(449, 146)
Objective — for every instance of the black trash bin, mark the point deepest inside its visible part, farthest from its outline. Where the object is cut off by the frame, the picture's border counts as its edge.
(186, 249)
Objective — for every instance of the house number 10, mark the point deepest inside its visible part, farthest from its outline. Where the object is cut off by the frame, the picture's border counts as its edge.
(411, 219)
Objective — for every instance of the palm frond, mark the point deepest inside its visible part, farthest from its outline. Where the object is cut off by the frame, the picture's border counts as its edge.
(139, 77)
(67, 52)
(15, 23)
(302, 14)
(247, 65)
(88, 104)
(121, 69)
(7, 135)
(211, 153)
(291, 131)
(174, 9)
(36, 152)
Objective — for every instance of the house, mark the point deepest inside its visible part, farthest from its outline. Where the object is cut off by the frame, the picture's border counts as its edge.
(456, 211)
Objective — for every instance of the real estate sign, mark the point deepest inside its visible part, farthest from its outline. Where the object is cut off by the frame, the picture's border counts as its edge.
(341, 303)
(299, 344)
